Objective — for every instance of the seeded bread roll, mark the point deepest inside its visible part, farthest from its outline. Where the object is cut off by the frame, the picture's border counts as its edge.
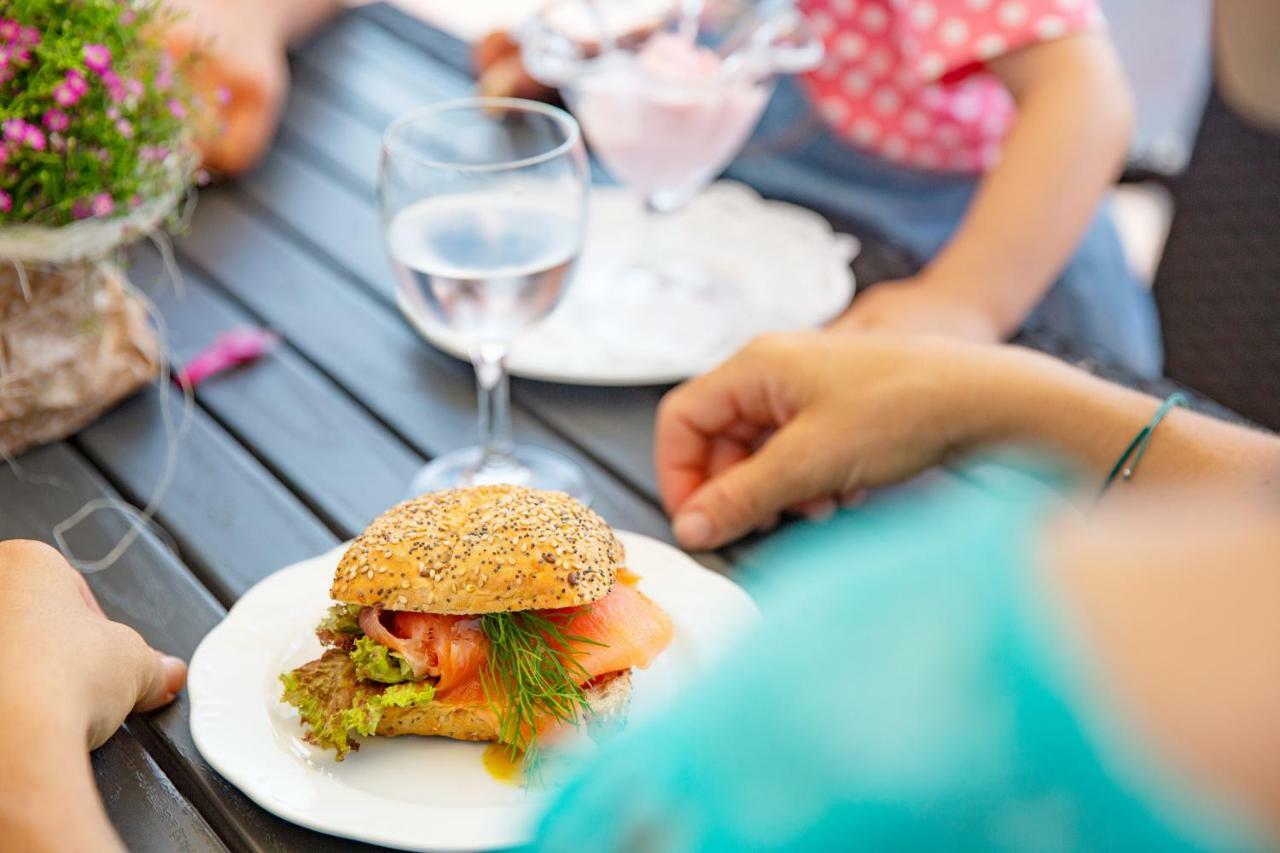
(486, 549)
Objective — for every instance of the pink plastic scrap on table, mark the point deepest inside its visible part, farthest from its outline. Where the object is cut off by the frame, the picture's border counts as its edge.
(230, 349)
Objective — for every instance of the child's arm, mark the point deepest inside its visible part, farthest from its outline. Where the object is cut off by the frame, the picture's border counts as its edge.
(1066, 147)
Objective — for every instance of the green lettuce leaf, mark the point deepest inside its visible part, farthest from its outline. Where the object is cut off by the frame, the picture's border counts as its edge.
(342, 619)
(335, 707)
(376, 662)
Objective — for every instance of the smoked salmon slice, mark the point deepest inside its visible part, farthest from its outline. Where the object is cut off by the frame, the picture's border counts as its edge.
(625, 628)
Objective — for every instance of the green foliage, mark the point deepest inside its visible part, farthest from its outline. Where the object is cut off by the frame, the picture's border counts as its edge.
(531, 678)
(95, 117)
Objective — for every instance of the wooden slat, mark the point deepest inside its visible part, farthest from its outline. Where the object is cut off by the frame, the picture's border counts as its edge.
(148, 812)
(344, 140)
(232, 520)
(363, 343)
(150, 590)
(380, 49)
(326, 162)
(356, 75)
(614, 425)
(341, 462)
(423, 38)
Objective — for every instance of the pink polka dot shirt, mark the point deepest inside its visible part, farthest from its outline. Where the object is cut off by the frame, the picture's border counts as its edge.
(906, 79)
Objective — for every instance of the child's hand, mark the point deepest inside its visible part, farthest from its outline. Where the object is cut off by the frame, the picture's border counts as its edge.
(917, 306)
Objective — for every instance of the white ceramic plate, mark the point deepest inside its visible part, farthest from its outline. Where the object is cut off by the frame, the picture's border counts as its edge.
(410, 793)
(788, 270)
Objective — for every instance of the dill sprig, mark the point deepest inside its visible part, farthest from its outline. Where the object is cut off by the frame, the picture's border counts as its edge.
(531, 675)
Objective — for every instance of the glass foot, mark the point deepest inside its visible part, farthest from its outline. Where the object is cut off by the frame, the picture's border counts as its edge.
(529, 466)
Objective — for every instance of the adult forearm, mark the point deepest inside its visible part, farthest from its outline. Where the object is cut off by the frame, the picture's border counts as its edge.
(1030, 398)
(48, 801)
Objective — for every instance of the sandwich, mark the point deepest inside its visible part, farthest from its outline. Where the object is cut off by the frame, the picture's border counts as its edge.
(493, 613)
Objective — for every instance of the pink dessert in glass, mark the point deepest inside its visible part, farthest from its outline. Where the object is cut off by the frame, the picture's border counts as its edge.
(667, 92)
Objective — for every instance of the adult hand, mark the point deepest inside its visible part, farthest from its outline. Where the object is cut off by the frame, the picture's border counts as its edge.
(70, 676)
(55, 641)
(917, 306)
(801, 421)
(242, 69)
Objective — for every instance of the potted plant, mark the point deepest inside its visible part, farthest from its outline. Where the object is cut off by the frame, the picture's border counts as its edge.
(96, 151)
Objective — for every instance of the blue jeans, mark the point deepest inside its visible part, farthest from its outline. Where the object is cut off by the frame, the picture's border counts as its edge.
(1096, 305)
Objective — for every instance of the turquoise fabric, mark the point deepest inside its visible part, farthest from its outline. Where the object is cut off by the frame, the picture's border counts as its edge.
(911, 688)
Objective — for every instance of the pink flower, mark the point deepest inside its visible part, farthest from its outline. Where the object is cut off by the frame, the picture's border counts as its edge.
(97, 57)
(9, 30)
(115, 86)
(134, 89)
(76, 83)
(35, 137)
(126, 129)
(177, 108)
(4, 57)
(223, 95)
(64, 96)
(56, 120)
(30, 36)
(135, 200)
(81, 210)
(153, 153)
(6, 202)
(230, 349)
(4, 155)
(15, 130)
(113, 113)
(164, 75)
(102, 204)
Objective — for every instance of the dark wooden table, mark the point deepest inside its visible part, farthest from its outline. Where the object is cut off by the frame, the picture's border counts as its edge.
(290, 456)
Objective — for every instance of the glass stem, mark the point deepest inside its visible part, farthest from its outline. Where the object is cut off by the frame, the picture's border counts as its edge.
(653, 216)
(651, 234)
(494, 392)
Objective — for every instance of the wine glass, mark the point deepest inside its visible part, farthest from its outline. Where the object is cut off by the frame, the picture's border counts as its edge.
(667, 92)
(484, 206)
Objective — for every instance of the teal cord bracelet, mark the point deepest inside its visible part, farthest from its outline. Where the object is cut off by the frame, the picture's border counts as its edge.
(1124, 468)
